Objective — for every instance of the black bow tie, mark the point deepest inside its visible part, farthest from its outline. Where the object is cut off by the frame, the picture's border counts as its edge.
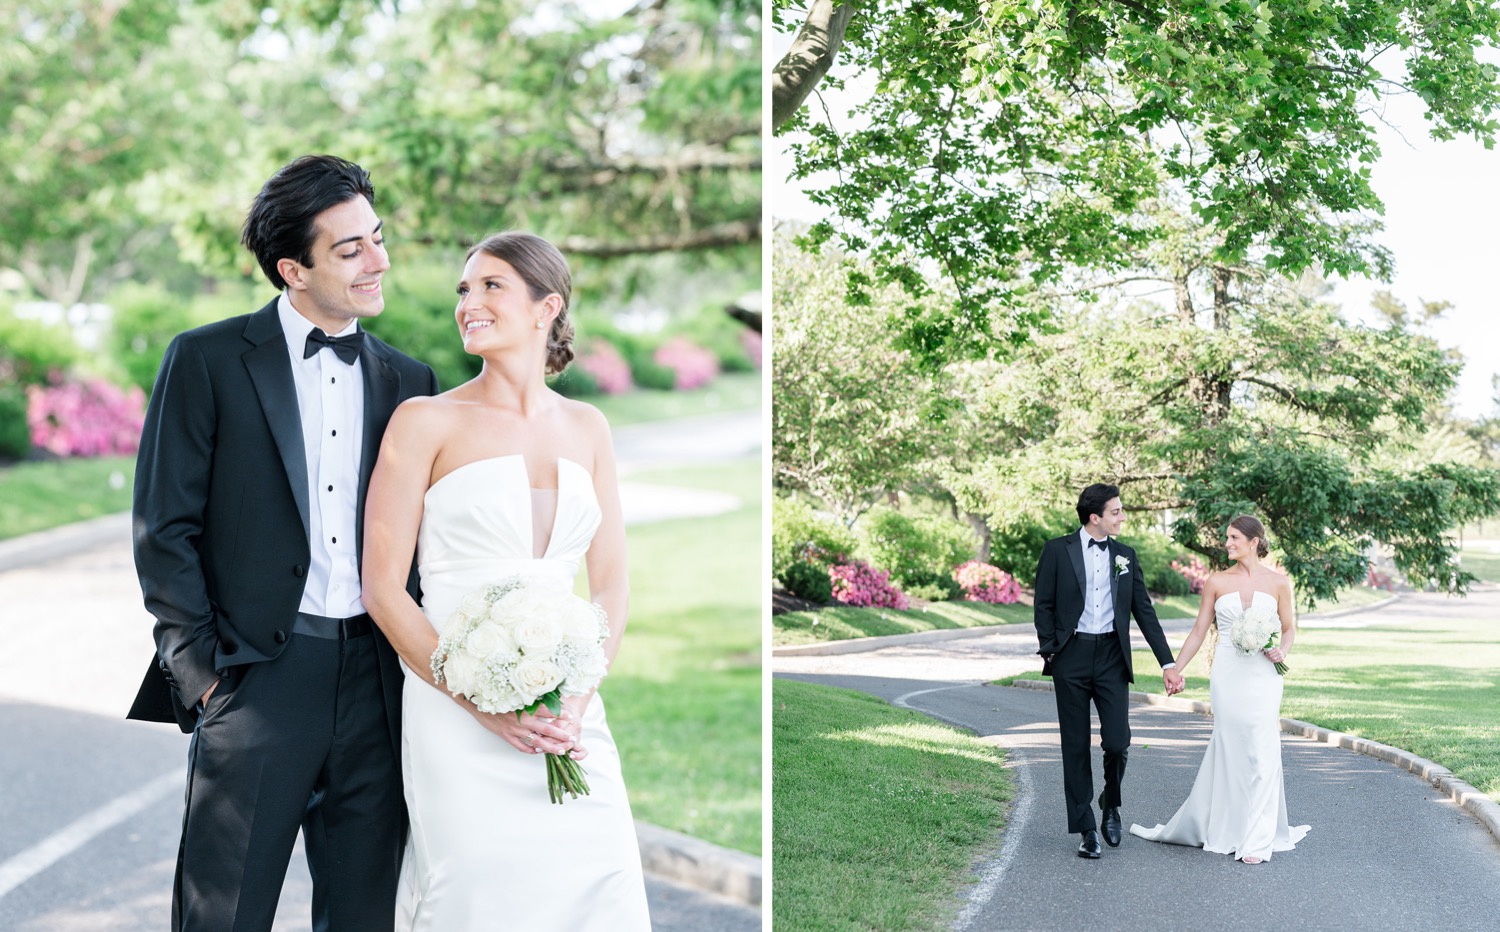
(1101, 544)
(346, 347)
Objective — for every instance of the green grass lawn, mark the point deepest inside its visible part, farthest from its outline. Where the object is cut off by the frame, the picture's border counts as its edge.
(1482, 563)
(1432, 689)
(841, 622)
(734, 391)
(40, 495)
(878, 812)
(685, 693)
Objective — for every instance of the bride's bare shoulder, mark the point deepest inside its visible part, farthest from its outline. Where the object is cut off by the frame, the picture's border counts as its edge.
(1279, 581)
(583, 416)
(1218, 583)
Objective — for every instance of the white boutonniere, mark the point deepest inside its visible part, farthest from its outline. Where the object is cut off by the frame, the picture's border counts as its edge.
(1122, 564)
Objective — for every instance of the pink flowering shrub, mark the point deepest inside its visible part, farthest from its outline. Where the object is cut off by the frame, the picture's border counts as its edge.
(859, 584)
(693, 365)
(1194, 572)
(982, 582)
(85, 418)
(751, 340)
(608, 368)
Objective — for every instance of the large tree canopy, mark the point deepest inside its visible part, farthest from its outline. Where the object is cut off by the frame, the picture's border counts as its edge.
(1245, 392)
(1012, 143)
(131, 127)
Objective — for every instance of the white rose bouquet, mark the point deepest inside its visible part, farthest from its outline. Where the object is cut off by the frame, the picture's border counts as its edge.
(1258, 629)
(522, 643)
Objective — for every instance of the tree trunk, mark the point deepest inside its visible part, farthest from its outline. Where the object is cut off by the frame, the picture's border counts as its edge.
(1220, 387)
(809, 58)
(982, 528)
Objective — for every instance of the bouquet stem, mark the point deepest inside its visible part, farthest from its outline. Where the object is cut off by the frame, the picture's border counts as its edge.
(565, 776)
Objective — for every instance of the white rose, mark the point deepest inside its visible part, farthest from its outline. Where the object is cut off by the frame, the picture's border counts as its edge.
(588, 671)
(537, 636)
(461, 673)
(531, 678)
(579, 621)
(489, 640)
(475, 604)
(518, 605)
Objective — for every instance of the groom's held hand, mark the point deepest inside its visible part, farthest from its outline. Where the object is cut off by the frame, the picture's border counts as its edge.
(1172, 681)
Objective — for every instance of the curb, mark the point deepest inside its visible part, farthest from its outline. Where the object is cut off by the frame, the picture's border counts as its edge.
(63, 541)
(700, 864)
(1468, 798)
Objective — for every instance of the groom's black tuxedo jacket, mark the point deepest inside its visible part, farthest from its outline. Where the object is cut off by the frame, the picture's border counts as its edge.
(221, 513)
(1060, 584)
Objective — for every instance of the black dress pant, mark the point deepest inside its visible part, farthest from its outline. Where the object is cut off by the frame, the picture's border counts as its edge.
(298, 741)
(1091, 669)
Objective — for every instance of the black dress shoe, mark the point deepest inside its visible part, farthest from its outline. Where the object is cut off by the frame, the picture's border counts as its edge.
(1111, 824)
(1089, 847)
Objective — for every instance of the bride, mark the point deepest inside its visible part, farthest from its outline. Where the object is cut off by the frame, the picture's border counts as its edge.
(502, 477)
(1238, 801)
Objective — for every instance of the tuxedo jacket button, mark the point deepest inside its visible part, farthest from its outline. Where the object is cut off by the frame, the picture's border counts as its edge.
(280, 637)
(298, 570)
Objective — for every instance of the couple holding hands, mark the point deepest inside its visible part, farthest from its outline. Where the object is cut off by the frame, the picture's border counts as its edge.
(1088, 586)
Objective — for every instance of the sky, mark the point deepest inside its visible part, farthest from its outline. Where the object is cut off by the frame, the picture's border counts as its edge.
(1442, 225)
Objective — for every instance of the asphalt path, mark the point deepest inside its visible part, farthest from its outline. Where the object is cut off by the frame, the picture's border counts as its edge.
(91, 804)
(1386, 849)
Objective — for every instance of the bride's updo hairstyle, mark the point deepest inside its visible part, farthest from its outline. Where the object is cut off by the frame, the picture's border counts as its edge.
(1253, 530)
(545, 271)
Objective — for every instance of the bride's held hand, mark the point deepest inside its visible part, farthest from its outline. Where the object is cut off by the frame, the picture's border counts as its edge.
(533, 734)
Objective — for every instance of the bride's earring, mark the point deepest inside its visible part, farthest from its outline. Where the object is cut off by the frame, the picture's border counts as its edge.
(540, 323)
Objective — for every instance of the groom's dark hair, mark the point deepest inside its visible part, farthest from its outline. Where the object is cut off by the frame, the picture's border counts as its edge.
(1091, 501)
(280, 223)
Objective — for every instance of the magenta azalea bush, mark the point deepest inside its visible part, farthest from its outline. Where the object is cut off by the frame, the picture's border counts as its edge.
(982, 582)
(859, 584)
(608, 368)
(1194, 571)
(693, 365)
(85, 418)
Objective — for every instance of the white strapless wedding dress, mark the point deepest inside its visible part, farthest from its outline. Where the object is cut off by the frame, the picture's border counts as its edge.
(1238, 802)
(488, 850)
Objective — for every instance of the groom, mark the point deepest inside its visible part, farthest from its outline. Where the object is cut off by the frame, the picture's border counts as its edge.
(250, 485)
(1087, 587)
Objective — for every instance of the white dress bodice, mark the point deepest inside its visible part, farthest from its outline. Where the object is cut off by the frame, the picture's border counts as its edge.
(485, 840)
(477, 528)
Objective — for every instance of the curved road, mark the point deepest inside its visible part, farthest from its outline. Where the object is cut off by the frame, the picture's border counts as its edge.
(1386, 850)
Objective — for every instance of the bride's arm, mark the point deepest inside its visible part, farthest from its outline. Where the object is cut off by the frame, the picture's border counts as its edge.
(1286, 608)
(393, 513)
(1195, 637)
(609, 581)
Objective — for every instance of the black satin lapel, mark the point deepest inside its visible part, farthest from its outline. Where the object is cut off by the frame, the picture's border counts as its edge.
(382, 392)
(271, 373)
(1075, 553)
(1114, 577)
